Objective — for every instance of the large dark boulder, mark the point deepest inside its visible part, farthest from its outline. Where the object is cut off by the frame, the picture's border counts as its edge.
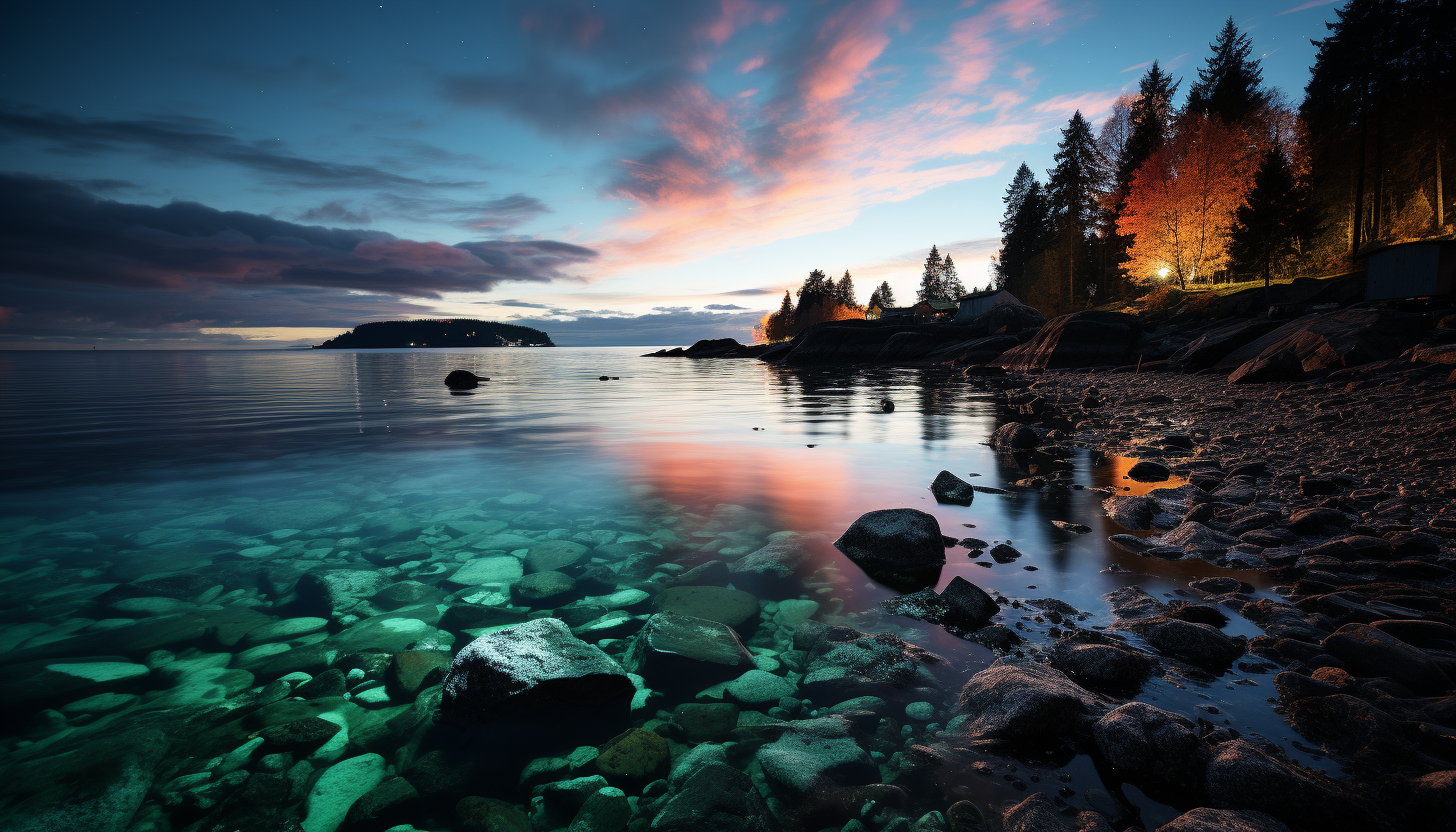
(1025, 703)
(1207, 349)
(715, 798)
(1367, 651)
(1241, 775)
(900, 547)
(1152, 748)
(845, 664)
(1322, 343)
(1081, 339)
(1102, 665)
(532, 669)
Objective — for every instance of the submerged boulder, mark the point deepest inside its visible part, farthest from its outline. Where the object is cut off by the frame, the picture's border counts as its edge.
(532, 669)
(900, 547)
(680, 652)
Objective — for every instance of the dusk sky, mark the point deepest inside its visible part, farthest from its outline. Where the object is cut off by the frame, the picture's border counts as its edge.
(245, 174)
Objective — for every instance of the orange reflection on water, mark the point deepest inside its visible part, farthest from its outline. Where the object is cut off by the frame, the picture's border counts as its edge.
(796, 488)
(1117, 468)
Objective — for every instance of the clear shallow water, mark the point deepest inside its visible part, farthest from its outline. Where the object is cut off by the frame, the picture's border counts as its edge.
(139, 449)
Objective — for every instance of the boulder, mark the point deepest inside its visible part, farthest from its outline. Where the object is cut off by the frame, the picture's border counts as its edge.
(1197, 644)
(1370, 652)
(772, 571)
(1014, 436)
(733, 607)
(532, 669)
(1024, 703)
(715, 798)
(967, 605)
(681, 653)
(1241, 775)
(1081, 339)
(948, 488)
(336, 591)
(1207, 349)
(543, 589)
(1320, 343)
(1107, 666)
(1152, 748)
(555, 555)
(900, 547)
(1204, 819)
(634, 758)
(844, 664)
(462, 380)
(1148, 471)
(814, 756)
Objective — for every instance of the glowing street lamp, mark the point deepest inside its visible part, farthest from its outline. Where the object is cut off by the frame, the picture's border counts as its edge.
(1163, 272)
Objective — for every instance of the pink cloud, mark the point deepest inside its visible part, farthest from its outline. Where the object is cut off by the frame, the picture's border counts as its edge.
(736, 15)
(847, 43)
(751, 64)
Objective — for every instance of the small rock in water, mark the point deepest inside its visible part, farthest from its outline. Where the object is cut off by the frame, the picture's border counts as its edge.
(887, 406)
(463, 380)
(948, 488)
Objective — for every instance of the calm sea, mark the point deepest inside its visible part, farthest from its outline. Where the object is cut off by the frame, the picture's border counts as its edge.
(122, 454)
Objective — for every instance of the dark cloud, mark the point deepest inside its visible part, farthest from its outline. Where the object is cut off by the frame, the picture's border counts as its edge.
(517, 303)
(106, 186)
(724, 307)
(659, 330)
(335, 211)
(180, 139)
(69, 259)
(671, 308)
(478, 215)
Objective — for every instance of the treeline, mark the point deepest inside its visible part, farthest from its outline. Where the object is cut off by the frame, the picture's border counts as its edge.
(821, 298)
(1238, 183)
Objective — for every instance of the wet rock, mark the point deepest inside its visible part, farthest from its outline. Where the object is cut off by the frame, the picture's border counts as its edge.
(487, 814)
(335, 592)
(1220, 585)
(702, 722)
(681, 653)
(391, 803)
(1157, 750)
(543, 589)
(414, 670)
(1037, 814)
(555, 555)
(634, 758)
(1367, 651)
(772, 571)
(34, 682)
(499, 569)
(1345, 724)
(1204, 819)
(843, 665)
(1015, 436)
(336, 791)
(967, 605)
(462, 380)
(758, 688)
(406, 593)
(1104, 666)
(1209, 348)
(1323, 342)
(996, 637)
(606, 811)
(97, 788)
(1148, 471)
(1072, 528)
(715, 798)
(1002, 553)
(1241, 775)
(733, 607)
(1312, 521)
(1198, 644)
(304, 734)
(532, 669)
(814, 756)
(1024, 703)
(900, 547)
(948, 488)
(1194, 538)
(712, 573)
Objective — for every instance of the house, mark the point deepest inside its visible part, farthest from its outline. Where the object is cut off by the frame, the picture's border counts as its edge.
(1419, 269)
(976, 304)
(897, 312)
(934, 310)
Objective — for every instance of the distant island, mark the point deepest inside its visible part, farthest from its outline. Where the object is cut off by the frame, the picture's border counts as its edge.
(455, 332)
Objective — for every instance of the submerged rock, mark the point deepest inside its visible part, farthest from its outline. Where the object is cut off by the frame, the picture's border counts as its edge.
(772, 571)
(679, 652)
(814, 756)
(463, 380)
(532, 669)
(901, 547)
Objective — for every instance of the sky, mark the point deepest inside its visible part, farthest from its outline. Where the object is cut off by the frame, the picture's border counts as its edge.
(242, 174)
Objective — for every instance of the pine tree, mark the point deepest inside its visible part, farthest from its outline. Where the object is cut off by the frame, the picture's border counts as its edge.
(887, 295)
(1228, 84)
(1276, 217)
(875, 302)
(1151, 118)
(844, 291)
(930, 288)
(1072, 189)
(1025, 237)
(1015, 195)
(951, 287)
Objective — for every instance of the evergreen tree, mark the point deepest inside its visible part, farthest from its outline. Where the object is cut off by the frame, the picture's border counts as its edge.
(887, 295)
(844, 291)
(818, 290)
(875, 302)
(1015, 195)
(950, 281)
(1025, 237)
(1151, 118)
(1228, 84)
(1072, 190)
(930, 288)
(786, 309)
(1276, 217)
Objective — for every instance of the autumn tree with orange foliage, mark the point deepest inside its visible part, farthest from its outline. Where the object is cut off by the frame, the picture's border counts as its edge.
(1181, 204)
(820, 300)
